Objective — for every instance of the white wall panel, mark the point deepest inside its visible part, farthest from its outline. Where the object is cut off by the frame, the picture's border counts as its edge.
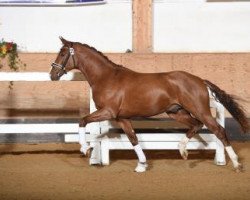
(107, 27)
(201, 26)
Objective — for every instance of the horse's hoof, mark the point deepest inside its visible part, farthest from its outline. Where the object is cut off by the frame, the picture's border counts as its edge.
(239, 168)
(141, 167)
(184, 154)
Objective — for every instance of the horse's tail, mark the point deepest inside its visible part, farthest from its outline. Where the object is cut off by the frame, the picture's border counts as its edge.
(229, 102)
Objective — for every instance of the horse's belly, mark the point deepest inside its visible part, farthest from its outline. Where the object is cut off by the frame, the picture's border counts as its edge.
(144, 106)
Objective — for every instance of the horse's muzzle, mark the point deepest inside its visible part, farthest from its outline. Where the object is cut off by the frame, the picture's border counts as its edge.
(54, 77)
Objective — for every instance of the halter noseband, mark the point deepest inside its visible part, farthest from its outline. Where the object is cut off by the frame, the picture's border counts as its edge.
(71, 52)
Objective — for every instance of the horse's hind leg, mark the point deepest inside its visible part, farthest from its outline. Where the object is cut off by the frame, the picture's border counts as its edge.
(220, 132)
(193, 124)
(128, 129)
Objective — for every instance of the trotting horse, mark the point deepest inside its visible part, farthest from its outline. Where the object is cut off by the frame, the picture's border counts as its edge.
(121, 94)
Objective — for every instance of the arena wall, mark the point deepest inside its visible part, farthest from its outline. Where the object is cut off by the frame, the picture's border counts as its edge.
(209, 39)
(70, 99)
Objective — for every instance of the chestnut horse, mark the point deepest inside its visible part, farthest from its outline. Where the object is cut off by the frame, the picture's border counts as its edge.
(121, 94)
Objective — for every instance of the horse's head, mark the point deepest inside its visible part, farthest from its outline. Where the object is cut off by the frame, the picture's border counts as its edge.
(64, 62)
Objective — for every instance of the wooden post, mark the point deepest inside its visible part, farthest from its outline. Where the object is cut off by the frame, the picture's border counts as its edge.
(142, 26)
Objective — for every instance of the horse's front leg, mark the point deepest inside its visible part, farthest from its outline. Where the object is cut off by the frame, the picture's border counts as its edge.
(99, 115)
(128, 129)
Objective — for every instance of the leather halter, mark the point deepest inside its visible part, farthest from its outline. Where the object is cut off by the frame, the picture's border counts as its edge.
(71, 52)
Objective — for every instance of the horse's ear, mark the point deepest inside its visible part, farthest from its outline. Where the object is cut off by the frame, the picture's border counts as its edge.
(65, 42)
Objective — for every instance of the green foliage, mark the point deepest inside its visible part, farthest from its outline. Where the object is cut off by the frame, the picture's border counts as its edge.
(9, 50)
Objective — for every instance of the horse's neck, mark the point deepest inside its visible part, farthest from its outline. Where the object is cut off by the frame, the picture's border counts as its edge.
(96, 68)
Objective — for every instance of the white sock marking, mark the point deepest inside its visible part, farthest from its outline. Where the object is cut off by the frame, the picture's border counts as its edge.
(141, 156)
(182, 145)
(141, 167)
(82, 140)
(232, 155)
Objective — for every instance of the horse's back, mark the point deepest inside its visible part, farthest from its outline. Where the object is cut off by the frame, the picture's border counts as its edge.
(152, 93)
(168, 80)
(169, 84)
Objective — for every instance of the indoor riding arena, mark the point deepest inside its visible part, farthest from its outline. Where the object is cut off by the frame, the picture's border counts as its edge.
(125, 99)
